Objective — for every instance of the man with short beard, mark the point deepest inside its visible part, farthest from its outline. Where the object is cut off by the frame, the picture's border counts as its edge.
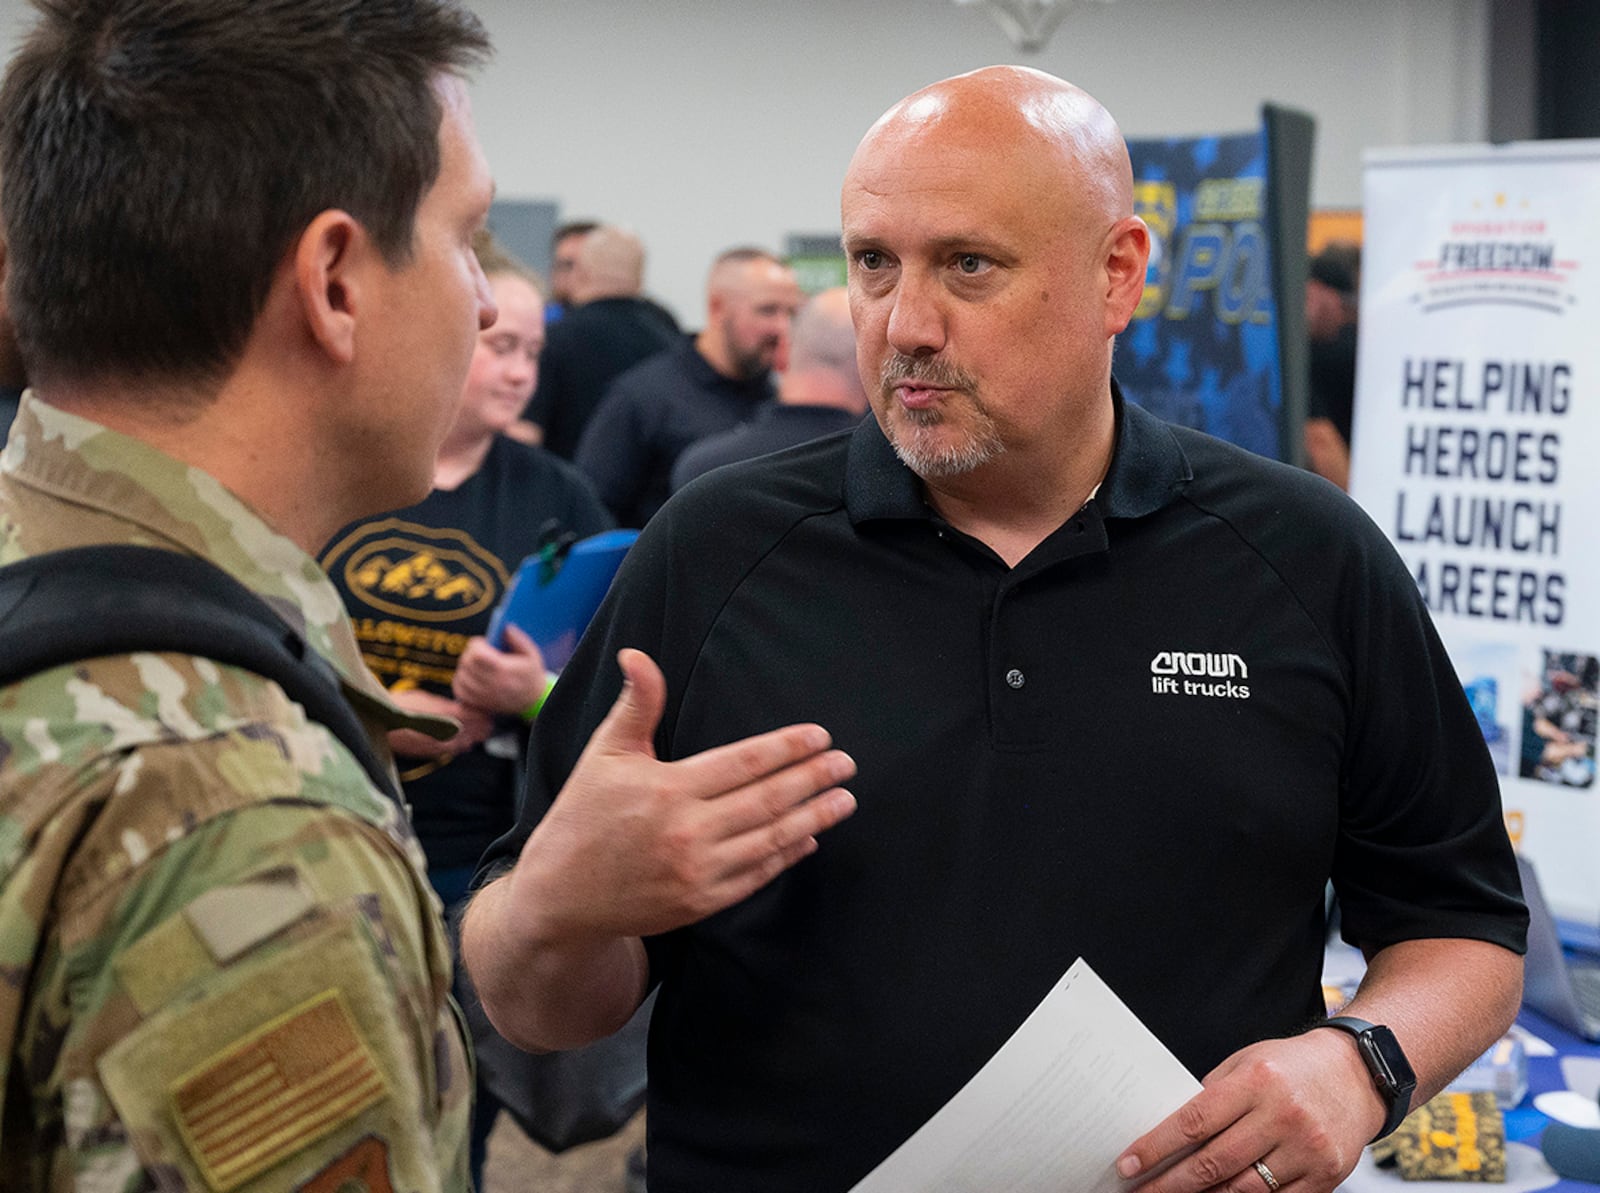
(706, 384)
(1108, 688)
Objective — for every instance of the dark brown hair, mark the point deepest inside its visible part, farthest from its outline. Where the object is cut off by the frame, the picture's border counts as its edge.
(159, 157)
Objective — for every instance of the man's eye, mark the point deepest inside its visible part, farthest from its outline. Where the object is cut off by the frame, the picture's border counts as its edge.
(970, 263)
(870, 259)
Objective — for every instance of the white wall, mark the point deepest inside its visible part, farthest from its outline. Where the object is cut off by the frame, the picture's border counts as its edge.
(706, 123)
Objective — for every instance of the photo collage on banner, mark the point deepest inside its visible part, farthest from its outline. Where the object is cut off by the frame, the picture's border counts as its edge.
(1476, 435)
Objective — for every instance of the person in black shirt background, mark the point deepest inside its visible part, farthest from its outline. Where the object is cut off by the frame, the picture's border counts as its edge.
(820, 393)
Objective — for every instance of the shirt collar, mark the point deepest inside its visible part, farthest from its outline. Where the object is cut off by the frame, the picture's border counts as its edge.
(1148, 469)
(173, 505)
(701, 372)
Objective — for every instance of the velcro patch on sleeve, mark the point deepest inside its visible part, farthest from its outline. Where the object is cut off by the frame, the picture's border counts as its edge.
(292, 1081)
(231, 920)
(365, 1167)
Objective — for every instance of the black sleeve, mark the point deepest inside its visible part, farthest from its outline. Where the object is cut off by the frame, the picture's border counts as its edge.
(1423, 850)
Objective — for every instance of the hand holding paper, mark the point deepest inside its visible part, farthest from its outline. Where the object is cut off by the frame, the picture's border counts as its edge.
(1287, 1103)
(1052, 1110)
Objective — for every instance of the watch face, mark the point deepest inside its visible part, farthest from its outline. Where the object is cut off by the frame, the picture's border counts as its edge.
(1390, 1066)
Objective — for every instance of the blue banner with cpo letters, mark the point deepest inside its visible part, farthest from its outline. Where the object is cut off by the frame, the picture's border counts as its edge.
(1203, 348)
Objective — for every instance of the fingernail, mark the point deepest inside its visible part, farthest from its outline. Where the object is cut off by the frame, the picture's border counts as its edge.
(1128, 1166)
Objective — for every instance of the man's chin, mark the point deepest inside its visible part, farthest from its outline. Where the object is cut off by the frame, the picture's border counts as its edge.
(939, 457)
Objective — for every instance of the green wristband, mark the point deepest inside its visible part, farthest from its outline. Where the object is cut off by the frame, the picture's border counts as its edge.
(532, 711)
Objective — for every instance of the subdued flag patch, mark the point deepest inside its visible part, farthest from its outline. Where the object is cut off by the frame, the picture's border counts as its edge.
(289, 1083)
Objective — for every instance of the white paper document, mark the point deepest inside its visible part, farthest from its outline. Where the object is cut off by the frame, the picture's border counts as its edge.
(1052, 1110)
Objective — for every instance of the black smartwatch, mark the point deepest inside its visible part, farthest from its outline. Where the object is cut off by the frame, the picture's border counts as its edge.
(1386, 1061)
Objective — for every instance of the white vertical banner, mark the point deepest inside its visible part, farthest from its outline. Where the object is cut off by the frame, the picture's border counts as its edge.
(1477, 450)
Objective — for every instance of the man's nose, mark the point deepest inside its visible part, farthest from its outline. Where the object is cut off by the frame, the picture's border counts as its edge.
(917, 319)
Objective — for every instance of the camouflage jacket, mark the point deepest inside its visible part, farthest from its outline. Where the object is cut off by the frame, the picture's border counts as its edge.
(221, 966)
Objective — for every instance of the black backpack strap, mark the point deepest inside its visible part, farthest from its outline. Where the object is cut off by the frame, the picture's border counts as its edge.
(89, 602)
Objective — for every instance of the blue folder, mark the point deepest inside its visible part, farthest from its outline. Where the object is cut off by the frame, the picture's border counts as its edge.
(553, 596)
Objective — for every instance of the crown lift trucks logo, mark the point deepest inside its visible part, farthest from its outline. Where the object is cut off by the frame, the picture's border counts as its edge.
(1199, 673)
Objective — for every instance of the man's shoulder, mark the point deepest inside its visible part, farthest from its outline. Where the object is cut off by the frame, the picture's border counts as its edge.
(203, 737)
(773, 430)
(1309, 530)
(785, 486)
(725, 447)
(583, 325)
(671, 367)
(263, 922)
(1229, 479)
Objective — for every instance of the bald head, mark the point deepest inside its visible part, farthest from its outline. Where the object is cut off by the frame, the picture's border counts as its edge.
(1035, 118)
(822, 356)
(610, 264)
(993, 257)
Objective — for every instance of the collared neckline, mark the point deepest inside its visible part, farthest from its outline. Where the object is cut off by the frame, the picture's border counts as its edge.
(1148, 469)
(182, 508)
(759, 387)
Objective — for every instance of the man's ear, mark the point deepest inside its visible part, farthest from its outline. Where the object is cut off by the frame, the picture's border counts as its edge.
(331, 263)
(1127, 255)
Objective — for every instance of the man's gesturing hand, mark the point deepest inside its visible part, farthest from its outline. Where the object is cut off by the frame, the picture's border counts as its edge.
(634, 846)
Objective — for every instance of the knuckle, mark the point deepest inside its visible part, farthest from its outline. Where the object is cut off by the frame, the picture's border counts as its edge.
(770, 867)
(1262, 1073)
(1207, 1168)
(1328, 1160)
(773, 802)
(1330, 1169)
(1192, 1123)
(678, 848)
(756, 758)
(781, 838)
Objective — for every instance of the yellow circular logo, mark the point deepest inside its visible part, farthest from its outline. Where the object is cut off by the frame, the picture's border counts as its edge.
(418, 572)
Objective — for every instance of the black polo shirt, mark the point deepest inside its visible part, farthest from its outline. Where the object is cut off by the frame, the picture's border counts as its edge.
(1148, 744)
(773, 427)
(584, 352)
(649, 415)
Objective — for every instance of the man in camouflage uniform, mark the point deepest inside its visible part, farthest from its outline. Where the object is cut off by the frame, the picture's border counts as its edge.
(241, 275)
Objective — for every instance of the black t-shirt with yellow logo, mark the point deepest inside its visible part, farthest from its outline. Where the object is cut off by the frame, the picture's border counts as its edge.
(421, 581)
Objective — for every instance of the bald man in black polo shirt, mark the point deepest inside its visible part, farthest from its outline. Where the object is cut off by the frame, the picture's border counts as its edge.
(1106, 688)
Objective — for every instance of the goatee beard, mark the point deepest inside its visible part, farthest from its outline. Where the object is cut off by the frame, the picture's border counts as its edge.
(913, 441)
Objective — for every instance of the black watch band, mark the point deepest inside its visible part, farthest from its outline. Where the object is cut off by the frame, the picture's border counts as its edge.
(1386, 1061)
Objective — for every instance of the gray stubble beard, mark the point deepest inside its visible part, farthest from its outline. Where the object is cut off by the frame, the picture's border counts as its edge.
(929, 462)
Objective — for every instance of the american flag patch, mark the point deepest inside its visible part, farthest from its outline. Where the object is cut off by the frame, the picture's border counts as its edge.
(289, 1083)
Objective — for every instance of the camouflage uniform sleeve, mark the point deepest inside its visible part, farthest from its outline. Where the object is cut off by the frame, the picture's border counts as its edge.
(244, 980)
